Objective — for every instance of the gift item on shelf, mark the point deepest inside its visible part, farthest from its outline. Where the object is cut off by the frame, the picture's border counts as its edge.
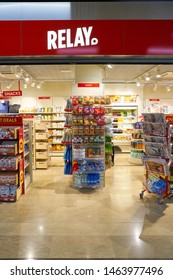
(157, 159)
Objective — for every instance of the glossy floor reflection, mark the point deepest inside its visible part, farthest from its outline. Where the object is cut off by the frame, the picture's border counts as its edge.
(54, 220)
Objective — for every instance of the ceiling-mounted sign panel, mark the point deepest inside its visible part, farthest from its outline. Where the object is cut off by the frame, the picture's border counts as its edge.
(13, 93)
(86, 85)
(77, 37)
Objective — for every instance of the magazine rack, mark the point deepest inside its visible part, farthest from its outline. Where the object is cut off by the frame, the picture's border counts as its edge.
(157, 159)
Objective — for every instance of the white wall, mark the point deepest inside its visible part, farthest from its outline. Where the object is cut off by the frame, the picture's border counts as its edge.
(88, 74)
(59, 92)
(160, 93)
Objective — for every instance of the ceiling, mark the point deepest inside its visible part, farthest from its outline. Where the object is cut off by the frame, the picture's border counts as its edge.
(118, 73)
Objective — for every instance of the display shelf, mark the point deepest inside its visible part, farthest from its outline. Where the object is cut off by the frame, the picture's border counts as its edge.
(12, 183)
(88, 159)
(158, 156)
(123, 118)
(137, 145)
(41, 147)
(28, 153)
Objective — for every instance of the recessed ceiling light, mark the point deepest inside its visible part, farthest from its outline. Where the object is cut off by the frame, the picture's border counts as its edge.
(148, 78)
(168, 88)
(9, 86)
(33, 84)
(138, 84)
(158, 73)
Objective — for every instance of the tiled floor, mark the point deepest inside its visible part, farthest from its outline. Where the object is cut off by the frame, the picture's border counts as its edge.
(54, 220)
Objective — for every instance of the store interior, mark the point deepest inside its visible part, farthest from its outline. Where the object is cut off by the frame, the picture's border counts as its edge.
(54, 218)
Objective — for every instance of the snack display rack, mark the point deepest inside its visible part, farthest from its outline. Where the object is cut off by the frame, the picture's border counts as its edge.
(12, 158)
(88, 141)
(85, 136)
(157, 159)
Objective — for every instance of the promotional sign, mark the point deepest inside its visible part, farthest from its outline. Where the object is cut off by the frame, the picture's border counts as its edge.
(12, 93)
(88, 85)
(44, 97)
(11, 121)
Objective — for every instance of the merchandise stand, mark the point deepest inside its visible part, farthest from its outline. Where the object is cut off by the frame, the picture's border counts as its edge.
(12, 157)
(88, 142)
(85, 136)
(157, 161)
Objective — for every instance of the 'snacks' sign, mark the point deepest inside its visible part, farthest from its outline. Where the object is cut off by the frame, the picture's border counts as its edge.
(64, 38)
(12, 93)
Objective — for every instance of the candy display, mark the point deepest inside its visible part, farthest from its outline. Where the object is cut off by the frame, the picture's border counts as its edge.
(86, 129)
(90, 100)
(9, 162)
(8, 147)
(8, 178)
(8, 133)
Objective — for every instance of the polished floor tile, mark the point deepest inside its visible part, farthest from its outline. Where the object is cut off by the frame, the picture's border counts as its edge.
(55, 220)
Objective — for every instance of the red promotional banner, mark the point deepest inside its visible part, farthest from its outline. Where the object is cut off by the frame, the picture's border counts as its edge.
(11, 121)
(44, 97)
(12, 93)
(88, 85)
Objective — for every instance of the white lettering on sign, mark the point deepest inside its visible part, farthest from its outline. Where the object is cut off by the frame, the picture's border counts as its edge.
(12, 93)
(62, 38)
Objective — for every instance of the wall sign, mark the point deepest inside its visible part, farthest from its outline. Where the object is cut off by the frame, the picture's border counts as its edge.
(12, 93)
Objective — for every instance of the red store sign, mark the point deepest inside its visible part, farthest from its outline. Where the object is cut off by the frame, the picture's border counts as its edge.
(92, 85)
(86, 37)
(12, 93)
(44, 97)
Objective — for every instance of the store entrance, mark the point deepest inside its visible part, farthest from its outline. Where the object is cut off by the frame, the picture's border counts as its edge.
(40, 94)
